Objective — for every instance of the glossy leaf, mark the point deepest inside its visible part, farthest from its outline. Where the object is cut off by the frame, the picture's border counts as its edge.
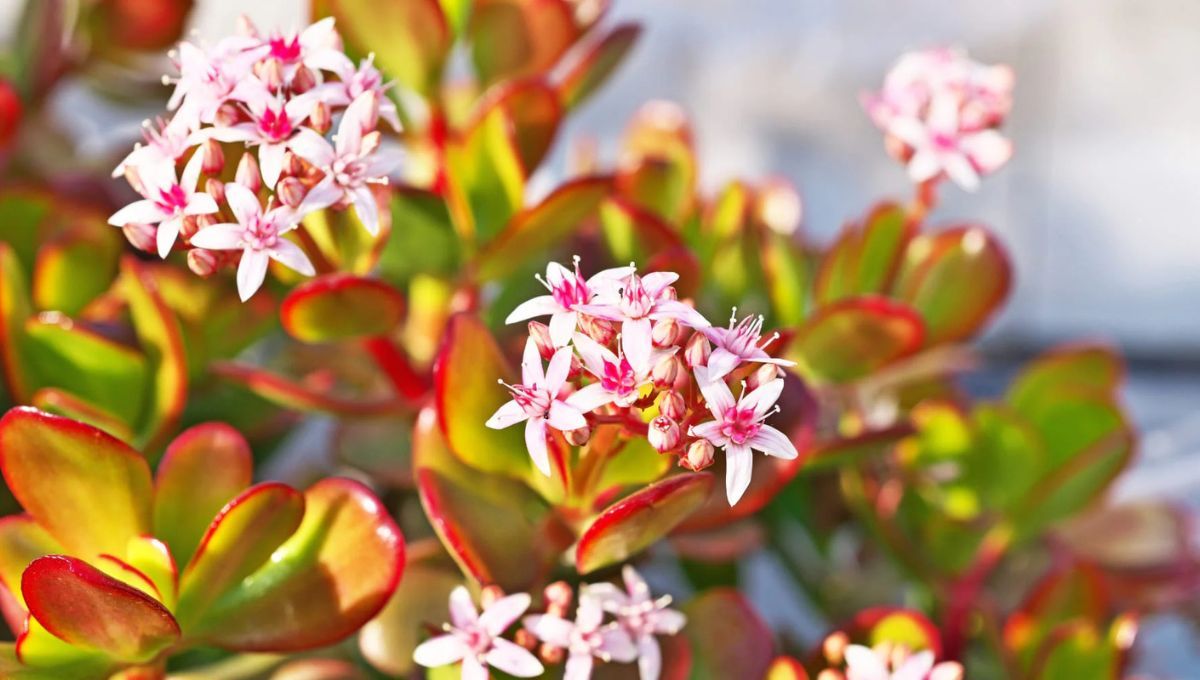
(866, 257)
(598, 64)
(39, 655)
(535, 229)
(74, 267)
(204, 468)
(485, 179)
(785, 270)
(410, 38)
(518, 38)
(855, 337)
(79, 604)
(21, 542)
(534, 112)
(333, 575)
(634, 523)
(423, 240)
(91, 492)
(341, 306)
(1090, 367)
(62, 403)
(728, 638)
(955, 279)
(388, 640)
(161, 339)
(239, 541)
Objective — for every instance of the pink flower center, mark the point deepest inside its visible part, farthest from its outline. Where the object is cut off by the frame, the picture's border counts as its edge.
(261, 234)
(742, 339)
(570, 292)
(635, 301)
(172, 200)
(285, 50)
(348, 172)
(275, 125)
(944, 141)
(534, 400)
(740, 424)
(476, 638)
(619, 377)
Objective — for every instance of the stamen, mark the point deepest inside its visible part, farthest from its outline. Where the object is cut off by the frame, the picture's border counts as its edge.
(733, 318)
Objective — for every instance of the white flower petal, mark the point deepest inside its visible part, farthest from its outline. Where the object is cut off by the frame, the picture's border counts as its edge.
(312, 147)
(618, 644)
(739, 464)
(550, 629)
(440, 651)
(138, 212)
(655, 282)
(649, 658)
(763, 397)
(270, 160)
(462, 609)
(590, 397)
(168, 231)
(473, 669)
(541, 305)
(862, 663)
(513, 659)
(773, 443)
(916, 667)
(558, 370)
(367, 209)
(578, 666)
(564, 417)
(501, 614)
(507, 415)
(219, 237)
(721, 363)
(636, 341)
(251, 273)
(532, 372)
(535, 441)
(200, 203)
(562, 326)
(293, 257)
(716, 393)
(675, 309)
(243, 202)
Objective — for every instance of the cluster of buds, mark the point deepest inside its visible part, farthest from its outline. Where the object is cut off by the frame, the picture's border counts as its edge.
(622, 349)
(610, 625)
(884, 661)
(277, 96)
(940, 111)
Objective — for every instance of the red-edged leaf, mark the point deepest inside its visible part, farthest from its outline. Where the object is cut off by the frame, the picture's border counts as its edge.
(340, 306)
(162, 341)
(91, 492)
(81, 605)
(75, 266)
(518, 38)
(658, 163)
(535, 229)
(1071, 594)
(295, 395)
(204, 468)
(388, 640)
(728, 638)
(39, 655)
(14, 310)
(598, 63)
(855, 337)
(786, 668)
(1088, 367)
(955, 279)
(238, 542)
(898, 626)
(333, 575)
(635, 234)
(534, 111)
(634, 523)
(866, 257)
(152, 558)
(21, 542)
(409, 38)
(1146, 548)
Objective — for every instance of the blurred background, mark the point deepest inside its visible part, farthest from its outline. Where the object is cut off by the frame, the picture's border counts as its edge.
(1096, 207)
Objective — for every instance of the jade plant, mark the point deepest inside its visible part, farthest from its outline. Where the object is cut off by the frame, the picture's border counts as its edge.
(329, 260)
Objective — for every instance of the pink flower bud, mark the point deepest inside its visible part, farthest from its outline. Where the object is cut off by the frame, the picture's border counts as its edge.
(227, 114)
(830, 674)
(188, 227)
(215, 188)
(699, 455)
(764, 374)
(303, 81)
(579, 436)
(321, 118)
(248, 174)
(526, 639)
(270, 72)
(697, 350)
(540, 333)
(141, 236)
(293, 165)
(551, 655)
(203, 263)
(559, 594)
(290, 191)
(834, 647)
(214, 157)
(489, 595)
(668, 372)
(672, 405)
(664, 434)
(666, 333)
(601, 330)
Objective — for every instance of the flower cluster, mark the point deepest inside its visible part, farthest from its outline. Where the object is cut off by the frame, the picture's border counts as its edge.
(940, 112)
(623, 349)
(277, 96)
(884, 661)
(476, 640)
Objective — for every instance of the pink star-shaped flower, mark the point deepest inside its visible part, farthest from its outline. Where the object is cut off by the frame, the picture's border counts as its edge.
(863, 663)
(738, 344)
(167, 200)
(618, 377)
(568, 290)
(586, 639)
(642, 615)
(474, 639)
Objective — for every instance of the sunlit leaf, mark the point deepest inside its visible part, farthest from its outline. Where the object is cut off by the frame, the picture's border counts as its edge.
(866, 257)
(22, 541)
(340, 306)
(518, 38)
(388, 640)
(410, 38)
(14, 311)
(855, 337)
(598, 63)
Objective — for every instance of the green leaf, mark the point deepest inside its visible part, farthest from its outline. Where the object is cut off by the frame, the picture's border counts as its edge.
(410, 38)
(485, 178)
(855, 337)
(422, 240)
(659, 167)
(785, 269)
(75, 267)
(339, 307)
(1091, 367)
(866, 257)
(519, 38)
(597, 65)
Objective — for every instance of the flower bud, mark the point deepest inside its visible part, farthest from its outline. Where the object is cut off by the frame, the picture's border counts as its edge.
(214, 157)
(321, 118)
(834, 647)
(578, 436)
(303, 81)
(764, 374)
(215, 188)
(270, 72)
(290, 191)
(203, 263)
(664, 434)
(489, 595)
(672, 405)
(699, 455)
(227, 114)
(697, 350)
(551, 655)
(668, 293)
(601, 330)
(540, 333)
(526, 639)
(188, 227)
(559, 594)
(666, 333)
(293, 165)
(141, 236)
(248, 174)
(668, 372)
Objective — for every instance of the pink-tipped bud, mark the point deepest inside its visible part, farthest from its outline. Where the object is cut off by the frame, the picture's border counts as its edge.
(141, 236)
(699, 455)
(215, 188)
(489, 595)
(293, 165)
(526, 639)
(248, 174)
(303, 81)
(227, 114)
(668, 372)
(668, 293)
(188, 227)
(672, 405)
(578, 436)
(551, 655)
(666, 333)
(834, 647)
(540, 334)
(291, 192)
(664, 434)
(559, 594)
(601, 330)
(697, 350)
(321, 118)
(270, 72)
(764, 374)
(214, 157)
(203, 263)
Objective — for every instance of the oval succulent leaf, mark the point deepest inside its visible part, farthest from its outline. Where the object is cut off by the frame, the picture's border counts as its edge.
(854, 337)
(341, 306)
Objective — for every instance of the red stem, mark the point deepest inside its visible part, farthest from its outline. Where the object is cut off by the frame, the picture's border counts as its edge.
(408, 382)
(963, 594)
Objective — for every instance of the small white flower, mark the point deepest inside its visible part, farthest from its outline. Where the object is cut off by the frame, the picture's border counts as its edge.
(474, 639)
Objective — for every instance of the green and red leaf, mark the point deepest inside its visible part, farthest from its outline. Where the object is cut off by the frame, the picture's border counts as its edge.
(598, 64)
(854, 337)
(409, 38)
(340, 306)
(728, 637)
